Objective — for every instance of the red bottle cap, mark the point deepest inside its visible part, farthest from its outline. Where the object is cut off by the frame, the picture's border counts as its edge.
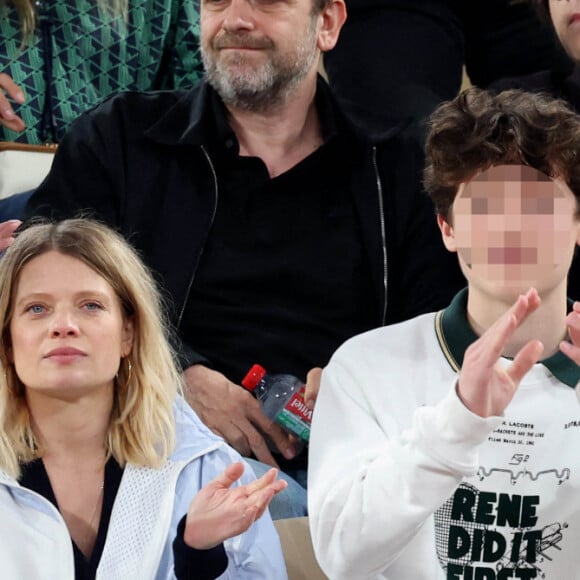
(253, 378)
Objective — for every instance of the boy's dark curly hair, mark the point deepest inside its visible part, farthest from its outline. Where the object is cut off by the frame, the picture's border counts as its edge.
(478, 130)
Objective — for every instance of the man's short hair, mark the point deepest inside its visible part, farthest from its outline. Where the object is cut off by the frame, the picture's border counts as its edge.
(542, 8)
(478, 130)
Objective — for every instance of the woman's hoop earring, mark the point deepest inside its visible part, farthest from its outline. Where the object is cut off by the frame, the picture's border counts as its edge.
(129, 373)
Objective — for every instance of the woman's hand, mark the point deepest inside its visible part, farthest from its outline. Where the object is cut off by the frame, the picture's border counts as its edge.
(218, 512)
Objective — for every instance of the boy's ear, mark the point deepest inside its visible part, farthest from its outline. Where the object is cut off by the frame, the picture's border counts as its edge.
(447, 233)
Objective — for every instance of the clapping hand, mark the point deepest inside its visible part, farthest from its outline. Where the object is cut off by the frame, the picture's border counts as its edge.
(219, 511)
(485, 387)
(572, 349)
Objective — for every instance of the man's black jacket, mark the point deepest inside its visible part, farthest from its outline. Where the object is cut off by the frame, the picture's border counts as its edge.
(139, 163)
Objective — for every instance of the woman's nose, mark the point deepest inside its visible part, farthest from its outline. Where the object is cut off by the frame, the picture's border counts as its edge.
(64, 324)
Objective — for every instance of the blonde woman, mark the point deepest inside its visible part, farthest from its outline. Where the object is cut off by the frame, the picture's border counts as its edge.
(104, 471)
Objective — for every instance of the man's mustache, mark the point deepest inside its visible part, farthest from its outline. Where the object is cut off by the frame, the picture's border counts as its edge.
(227, 40)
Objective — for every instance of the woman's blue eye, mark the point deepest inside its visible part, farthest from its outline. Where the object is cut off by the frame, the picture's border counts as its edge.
(36, 309)
(92, 306)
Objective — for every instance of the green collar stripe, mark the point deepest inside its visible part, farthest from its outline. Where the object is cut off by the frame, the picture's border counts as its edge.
(455, 334)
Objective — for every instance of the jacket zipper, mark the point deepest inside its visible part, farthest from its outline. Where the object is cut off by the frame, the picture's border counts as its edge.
(383, 233)
(193, 273)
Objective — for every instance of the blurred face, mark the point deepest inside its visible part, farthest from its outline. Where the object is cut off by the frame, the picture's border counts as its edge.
(565, 16)
(256, 52)
(513, 227)
(67, 330)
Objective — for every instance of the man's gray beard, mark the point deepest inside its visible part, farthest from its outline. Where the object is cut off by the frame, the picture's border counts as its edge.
(267, 88)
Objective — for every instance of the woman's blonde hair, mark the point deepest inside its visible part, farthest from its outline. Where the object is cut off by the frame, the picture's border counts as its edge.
(27, 12)
(141, 429)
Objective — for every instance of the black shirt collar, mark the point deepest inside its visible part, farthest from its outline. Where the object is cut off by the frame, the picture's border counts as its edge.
(206, 118)
(455, 335)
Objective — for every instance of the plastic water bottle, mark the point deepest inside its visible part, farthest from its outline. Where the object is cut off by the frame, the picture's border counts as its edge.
(282, 400)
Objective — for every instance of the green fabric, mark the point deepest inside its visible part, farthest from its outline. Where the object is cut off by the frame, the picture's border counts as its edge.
(95, 55)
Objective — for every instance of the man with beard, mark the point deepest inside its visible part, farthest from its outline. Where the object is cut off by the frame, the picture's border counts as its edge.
(276, 225)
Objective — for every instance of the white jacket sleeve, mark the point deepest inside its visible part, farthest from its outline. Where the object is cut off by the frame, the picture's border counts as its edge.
(369, 494)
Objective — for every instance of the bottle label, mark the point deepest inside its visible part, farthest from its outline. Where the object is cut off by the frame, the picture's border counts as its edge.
(296, 416)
